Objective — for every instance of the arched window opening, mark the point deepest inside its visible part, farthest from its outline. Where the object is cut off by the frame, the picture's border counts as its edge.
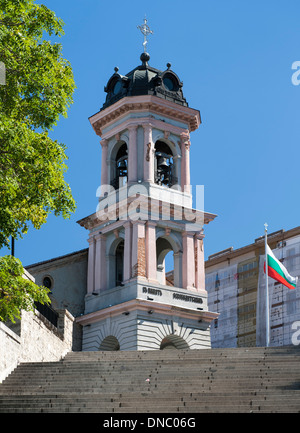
(121, 167)
(169, 268)
(110, 343)
(120, 263)
(164, 165)
(165, 262)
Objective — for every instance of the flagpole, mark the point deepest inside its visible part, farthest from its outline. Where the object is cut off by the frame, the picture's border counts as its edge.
(267, 291)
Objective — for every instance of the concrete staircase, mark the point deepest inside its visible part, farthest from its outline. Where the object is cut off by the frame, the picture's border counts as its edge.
(169, 381)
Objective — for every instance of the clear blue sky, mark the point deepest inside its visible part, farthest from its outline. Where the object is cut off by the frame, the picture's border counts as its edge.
(234, 58)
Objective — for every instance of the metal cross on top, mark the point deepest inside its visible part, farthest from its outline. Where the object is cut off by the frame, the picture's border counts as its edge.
(145, 29)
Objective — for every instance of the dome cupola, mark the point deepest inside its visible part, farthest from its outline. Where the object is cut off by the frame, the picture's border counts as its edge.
(145, 80)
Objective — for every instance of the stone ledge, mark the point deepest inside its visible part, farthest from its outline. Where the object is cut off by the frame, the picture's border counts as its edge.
(10, 333)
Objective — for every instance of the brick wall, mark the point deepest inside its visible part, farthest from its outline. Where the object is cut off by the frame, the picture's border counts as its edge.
(139, 269)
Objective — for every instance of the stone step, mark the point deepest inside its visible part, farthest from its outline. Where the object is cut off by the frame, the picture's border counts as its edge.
(98, 368)
(158, 382)
(132, 388)
(184, 372)
(169, 409)
(125, 375)
(183, 386)
(196, 360)
(153, 355)
(128, 399)
(154, 408)
(163, 362)
(186, 369)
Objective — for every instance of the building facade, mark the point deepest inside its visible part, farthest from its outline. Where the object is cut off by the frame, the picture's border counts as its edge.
(235, 283)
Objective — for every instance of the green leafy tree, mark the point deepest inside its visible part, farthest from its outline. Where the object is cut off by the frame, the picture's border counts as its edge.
(38, 90)
(16, 292)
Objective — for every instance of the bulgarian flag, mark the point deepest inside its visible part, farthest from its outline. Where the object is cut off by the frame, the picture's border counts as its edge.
(277, 271)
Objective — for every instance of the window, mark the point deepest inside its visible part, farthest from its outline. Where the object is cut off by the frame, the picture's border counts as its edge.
(291, 302)
(47, 282)
(290, 258)
(117, 87)
(170, 82)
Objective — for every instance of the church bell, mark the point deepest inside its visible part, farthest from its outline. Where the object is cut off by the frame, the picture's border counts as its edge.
(122, 165)
(162, 163)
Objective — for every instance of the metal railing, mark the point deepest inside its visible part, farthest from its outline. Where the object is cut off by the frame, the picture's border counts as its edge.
(47, 312)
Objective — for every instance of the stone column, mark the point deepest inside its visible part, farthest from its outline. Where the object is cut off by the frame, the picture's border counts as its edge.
(111, 270)
(138, 256)
(161, 276)
(188, 261)
(199, 262)
(148, 154)
(177, 170)
(100, 263)
(132, 154)
(178, 269)
(185, 166)
(151, 265)
(91, 266)
(127, 251)
(104, 170)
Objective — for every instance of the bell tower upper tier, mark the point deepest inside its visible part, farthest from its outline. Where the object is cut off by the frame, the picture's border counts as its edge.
(145, 126)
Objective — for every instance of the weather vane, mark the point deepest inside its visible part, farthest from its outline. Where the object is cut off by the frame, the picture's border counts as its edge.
(145, 29)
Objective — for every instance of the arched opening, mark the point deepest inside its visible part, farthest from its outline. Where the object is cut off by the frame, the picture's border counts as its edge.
(110, 343)
(115, 262)
(169, 268)
(164, 173)
(119, 173)
(173, 342)
(119, 261)
(165, 262)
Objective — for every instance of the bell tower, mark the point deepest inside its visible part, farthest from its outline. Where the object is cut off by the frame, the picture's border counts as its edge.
(144, 212)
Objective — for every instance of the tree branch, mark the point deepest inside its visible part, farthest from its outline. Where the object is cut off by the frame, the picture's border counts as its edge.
(11, 23)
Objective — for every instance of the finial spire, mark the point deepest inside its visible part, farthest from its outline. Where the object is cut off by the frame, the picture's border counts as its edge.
(145, 29)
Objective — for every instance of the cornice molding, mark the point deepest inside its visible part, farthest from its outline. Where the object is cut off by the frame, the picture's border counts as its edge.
(141, 304)
(150, 103)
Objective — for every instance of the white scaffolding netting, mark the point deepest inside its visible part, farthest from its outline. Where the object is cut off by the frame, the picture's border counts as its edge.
(222, 287)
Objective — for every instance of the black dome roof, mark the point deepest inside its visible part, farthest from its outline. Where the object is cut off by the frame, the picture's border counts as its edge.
(144, 80)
